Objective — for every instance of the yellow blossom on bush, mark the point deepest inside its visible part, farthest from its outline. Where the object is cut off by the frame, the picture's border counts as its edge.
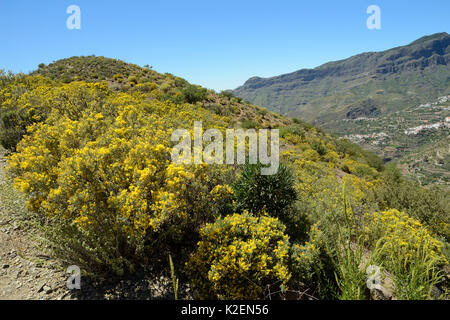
(239, 255)
(403, 236)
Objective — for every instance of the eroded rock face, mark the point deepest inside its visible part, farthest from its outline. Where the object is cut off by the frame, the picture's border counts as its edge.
(368, 108)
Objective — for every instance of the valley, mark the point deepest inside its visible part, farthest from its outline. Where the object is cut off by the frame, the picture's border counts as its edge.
(417, 138)
(395, 103)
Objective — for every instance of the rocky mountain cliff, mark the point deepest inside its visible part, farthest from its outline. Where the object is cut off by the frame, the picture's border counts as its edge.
(367, 83)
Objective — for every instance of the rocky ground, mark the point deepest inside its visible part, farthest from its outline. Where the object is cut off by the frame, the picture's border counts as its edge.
(27, 272)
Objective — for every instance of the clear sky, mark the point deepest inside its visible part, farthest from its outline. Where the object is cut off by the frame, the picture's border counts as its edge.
(217, 44)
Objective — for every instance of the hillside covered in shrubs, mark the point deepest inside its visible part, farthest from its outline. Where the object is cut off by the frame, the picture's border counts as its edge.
(89, 141)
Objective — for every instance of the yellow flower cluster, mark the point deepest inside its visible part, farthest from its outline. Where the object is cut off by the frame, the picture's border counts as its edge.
(239, 255)
(403, 236)
(102, 160)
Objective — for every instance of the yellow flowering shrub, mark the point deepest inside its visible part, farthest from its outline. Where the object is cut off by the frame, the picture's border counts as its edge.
(311, 155)
(304, 256)
(407, 250)
(34, 99)
(238, 256)
(401, 235)
(321, 191)
(106, 176)
(93, 159)
(357, 168)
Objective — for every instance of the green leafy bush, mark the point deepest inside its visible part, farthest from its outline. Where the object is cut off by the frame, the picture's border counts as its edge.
(319, 147)
(12, 128)
(193, 94)
(227, 94)
(271, 193)
(274, 194)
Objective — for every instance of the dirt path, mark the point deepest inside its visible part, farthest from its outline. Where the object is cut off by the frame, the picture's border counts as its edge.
(25, 273)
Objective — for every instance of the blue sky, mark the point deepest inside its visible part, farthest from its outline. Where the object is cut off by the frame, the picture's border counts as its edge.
(217, 44)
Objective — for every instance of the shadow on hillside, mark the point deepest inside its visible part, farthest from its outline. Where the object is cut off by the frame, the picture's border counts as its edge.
(141, 286)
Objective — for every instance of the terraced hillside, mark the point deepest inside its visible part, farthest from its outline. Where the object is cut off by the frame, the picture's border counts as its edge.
(416, 137)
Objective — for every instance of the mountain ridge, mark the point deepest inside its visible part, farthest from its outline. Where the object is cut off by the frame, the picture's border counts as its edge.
(361, 55)
(370, 96)
(287, 93)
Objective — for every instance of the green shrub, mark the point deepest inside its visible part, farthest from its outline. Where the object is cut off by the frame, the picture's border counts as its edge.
(133, 79)
(296, 130)
(319, 147)
(313, 269)
(193, 94)
(13, 125)
(344, 146)
(249, 124)
(227, 94)
(274, 194)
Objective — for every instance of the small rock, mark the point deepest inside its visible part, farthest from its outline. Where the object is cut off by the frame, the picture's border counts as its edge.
(435, 292)
(5, 266)
(47, 289)
(12, 254)
(41, 287)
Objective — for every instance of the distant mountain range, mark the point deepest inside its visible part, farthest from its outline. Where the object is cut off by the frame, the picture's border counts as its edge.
(366, 84)
(373, 99)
